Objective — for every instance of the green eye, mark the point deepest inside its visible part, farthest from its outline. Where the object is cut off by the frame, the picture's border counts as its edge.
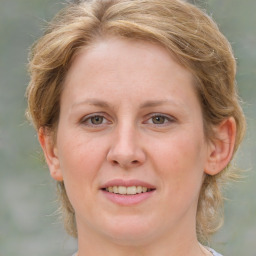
(96, 120)
(158, 119)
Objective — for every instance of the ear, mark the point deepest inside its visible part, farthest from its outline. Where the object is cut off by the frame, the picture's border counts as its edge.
(51, 153)
(221, 147)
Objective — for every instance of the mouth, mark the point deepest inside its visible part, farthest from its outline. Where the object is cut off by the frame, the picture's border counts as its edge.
(128, 190)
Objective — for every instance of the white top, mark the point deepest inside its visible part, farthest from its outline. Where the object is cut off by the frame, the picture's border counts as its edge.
(214, 253)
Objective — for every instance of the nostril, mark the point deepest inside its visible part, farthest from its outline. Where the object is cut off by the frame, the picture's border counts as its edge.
(115, 162)
(134, 162)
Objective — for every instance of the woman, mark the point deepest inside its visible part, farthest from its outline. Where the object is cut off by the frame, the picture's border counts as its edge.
(137, 114)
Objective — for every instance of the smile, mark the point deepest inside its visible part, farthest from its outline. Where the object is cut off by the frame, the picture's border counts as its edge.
(131, 190)
(127, 192)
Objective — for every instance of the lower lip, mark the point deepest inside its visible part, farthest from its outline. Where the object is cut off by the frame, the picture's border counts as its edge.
(128, 200)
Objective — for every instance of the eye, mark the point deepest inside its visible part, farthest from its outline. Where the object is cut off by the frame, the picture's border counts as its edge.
(160, 120)
(94, 120)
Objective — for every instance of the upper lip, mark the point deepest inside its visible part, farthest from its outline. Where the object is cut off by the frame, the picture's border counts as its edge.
(127, 183)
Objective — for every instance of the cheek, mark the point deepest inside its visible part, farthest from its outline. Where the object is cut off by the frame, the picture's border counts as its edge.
(80, 162)
(180, 160)
(81, 157)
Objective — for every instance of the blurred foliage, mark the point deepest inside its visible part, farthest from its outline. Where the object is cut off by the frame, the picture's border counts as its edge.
(27, 198)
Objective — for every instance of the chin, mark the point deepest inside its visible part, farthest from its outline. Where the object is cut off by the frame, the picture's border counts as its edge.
(132, 233)
(130, 238)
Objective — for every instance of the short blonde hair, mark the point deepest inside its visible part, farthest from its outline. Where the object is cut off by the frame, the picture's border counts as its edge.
(184, 30)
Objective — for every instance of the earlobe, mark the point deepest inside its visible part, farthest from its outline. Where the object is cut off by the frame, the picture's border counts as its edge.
(221, 147)
(50, 153)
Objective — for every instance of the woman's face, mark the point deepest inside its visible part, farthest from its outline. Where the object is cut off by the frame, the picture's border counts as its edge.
(130, 142)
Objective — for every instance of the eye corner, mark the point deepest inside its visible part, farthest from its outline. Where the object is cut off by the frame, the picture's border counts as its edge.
(95, 120)
(159, 119)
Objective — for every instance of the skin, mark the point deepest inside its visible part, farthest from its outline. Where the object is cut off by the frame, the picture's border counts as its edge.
(149, 128)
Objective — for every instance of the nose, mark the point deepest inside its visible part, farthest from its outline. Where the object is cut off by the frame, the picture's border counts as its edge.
(126, 151)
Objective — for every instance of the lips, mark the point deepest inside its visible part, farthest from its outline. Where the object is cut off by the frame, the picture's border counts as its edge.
(131, 190)
(131, 185)
(127, 192)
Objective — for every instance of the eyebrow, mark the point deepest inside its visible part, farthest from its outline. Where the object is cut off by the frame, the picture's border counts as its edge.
(146, 104)
(94, 102)
(155, 103)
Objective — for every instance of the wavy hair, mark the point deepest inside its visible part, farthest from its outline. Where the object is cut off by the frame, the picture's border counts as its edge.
(184, 30)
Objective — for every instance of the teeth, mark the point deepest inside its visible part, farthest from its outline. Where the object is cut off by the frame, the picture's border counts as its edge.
(121, 190)
(127, 190)
(139, 189)
(131, 190)
(115, 189)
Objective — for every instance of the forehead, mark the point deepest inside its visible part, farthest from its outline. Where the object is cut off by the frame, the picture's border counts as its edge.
(129, 69)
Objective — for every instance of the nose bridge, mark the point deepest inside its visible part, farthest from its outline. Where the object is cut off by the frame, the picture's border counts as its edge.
(125, 137)
(126, 150)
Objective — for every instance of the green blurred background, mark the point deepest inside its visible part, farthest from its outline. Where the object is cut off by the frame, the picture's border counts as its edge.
(28, 223)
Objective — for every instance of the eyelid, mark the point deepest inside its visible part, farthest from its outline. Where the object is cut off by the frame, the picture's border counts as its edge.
(169, 118)
(89, 116)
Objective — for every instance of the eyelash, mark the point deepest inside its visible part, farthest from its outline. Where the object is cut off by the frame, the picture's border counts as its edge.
(87, 120)
(167, 119)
